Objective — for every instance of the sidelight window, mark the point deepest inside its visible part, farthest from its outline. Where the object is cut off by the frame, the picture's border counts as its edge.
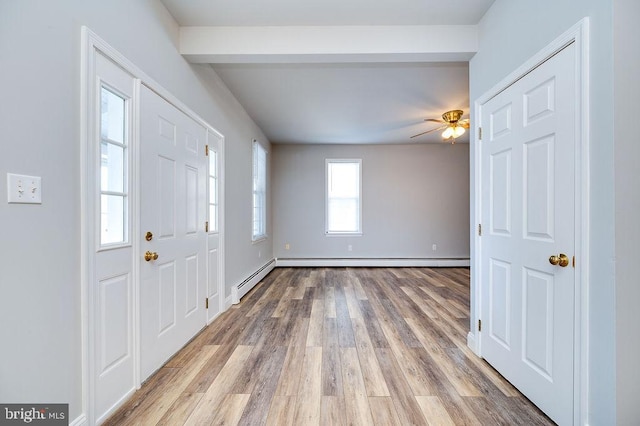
(113, 168)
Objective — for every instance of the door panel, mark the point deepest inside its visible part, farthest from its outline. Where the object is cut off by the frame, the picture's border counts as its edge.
(538, 320)
(114, 322)
(500, 290)
(539, 178)
(501, 193)
(527, 193)
(173, 173)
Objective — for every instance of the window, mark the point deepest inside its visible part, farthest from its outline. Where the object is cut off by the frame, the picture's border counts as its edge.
(113, 168)
(259, 192)
(343, 197)
(213, 191)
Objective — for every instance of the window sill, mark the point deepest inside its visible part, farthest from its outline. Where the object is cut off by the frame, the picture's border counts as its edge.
(343, 234)
(259, 239)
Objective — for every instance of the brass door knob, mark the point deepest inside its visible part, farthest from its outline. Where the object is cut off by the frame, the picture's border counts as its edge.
(148, 236)
(561, 260)
(564, 260)
(150, 255)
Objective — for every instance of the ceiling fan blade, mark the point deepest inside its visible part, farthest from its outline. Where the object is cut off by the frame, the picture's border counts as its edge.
(428, 131)
(434, 120)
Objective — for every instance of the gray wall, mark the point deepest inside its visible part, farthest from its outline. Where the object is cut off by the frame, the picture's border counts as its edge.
(626, 82)
(413, 196)
(40, 281)
(509, 34)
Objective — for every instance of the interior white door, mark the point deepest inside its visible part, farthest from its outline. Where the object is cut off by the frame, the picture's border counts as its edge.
(215, 288)
(528, 186)
(173, 184)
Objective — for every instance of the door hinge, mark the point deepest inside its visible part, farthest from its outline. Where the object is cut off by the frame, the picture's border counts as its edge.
(573, 262)
(480, 229)
(206, 303)
(206, 226)
(480, 133)
(479, 325)
(206, 150)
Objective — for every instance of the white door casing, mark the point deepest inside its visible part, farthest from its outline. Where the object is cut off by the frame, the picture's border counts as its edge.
(527, 162)
(173, 181)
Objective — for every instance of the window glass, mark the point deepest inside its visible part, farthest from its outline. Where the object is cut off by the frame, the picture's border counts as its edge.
(112, 124)
(113, 169)
(343, 197)
(259, 191)
(213, 191)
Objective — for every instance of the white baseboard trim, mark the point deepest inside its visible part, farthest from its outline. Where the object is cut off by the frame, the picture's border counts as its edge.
(228, 301)
(471, 343)
(372, 262)
(81, 420)
(238, 291)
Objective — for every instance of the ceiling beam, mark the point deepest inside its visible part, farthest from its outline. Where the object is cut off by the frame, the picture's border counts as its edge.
(329, 44)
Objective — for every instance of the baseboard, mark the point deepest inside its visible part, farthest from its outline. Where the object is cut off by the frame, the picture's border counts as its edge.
(471, 343)
(238, 291)
(228, 301)
(373, 262)
(81, 420)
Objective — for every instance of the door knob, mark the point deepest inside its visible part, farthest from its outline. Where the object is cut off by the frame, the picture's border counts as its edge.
(150, 255)
(148, 236)
(561, 260)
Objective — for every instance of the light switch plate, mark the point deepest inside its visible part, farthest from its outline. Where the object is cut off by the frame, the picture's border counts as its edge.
(24, 189)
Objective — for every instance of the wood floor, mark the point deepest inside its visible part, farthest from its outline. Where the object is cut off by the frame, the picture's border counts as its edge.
(361, 346)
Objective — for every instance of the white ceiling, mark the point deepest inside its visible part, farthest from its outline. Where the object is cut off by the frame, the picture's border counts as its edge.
(347, 102)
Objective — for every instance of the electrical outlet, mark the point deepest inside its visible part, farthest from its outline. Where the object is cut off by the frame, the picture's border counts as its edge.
(350, 247)
(287, 246)
(24, 189)
(434, 247)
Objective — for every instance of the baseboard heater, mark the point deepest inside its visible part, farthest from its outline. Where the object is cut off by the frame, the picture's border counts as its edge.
(237, 292)
(374, 262)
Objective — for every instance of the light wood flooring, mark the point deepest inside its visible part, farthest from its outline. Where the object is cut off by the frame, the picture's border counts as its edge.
(333, 346)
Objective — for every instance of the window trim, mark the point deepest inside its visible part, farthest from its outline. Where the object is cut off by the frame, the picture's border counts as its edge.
(327, 231)
(255, 238)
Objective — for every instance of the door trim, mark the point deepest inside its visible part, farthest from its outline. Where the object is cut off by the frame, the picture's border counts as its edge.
(578, 34)
(91, 45)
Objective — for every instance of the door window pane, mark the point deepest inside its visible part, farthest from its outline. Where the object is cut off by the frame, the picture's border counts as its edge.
(112, 219)
(112, 167)
(213, 191)
(112, 124)
(114, 177)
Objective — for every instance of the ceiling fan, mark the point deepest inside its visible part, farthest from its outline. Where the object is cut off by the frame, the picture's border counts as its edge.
(452, 124)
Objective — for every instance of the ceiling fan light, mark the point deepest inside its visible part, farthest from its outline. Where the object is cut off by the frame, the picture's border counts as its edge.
(448, 133)
(458, 131)
(453, 132)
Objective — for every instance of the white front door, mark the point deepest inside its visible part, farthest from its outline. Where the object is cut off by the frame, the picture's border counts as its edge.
(215, 288)
(527, 201)
(173, 184)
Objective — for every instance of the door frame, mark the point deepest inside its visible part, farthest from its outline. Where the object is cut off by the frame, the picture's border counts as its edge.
(578, 34)
(92, 45)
